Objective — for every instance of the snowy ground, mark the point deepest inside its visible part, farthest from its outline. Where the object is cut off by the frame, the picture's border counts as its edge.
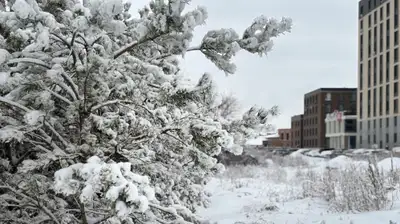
(249, 195)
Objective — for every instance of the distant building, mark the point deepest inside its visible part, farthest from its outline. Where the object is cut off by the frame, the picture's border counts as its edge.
(297, 131)
(285, 137)
(317, 104)
(341, 130)
(378, 73)
(282, 139)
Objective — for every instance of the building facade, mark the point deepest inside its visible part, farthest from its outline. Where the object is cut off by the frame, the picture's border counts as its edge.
(285, 135)
(317, 104)
(341, 130)
(378, 73)
(297, 131)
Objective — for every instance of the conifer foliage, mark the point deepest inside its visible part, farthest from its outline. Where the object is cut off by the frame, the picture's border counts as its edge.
(97, 122)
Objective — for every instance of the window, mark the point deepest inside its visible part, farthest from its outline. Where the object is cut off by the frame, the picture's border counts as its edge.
(395, 121)
(282, 136)
(380, 69)
(380, 13)
(369, 20)
(387, 138)
(375, 65)
(396, 14)
(375, 17)
(395, 137)
(396, 72)
(374, 124)
(287, 136)
(360, 125)
(387, 122)
(369, 124)
(387, 35)
(380, 100)
(387, 107)
(395, 106)
(380, 122)
(396, 37)
(388, 9)
(395, 89)
(396, 55)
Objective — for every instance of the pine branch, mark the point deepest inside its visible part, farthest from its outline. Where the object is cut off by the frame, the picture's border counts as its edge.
(130, 46)
(35, 202)
(71, 83)
(57, 95)
(29, 61)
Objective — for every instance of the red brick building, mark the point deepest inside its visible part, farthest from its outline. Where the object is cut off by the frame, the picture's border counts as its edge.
(297, 131)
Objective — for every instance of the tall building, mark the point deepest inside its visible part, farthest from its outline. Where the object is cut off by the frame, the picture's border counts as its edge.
(317, 104)
(378, 73)
(297, 131)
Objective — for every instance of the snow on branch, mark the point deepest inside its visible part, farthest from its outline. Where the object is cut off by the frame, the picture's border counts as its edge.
(29, 61)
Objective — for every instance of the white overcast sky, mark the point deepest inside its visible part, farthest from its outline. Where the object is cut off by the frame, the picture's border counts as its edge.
(321, 51)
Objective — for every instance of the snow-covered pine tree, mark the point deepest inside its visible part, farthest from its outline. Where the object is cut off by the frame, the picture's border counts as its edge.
(98, 124)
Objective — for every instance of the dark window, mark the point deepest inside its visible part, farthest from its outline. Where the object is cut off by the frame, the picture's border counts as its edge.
(388, 9)
(369, 104)
(395, 121)
(396, 38)
(396, 55)
(287, 136)
(380, 122)
(375, 67)
(380, 100)
(395, 106)
(350, 125)
(395, 137)
(375, 17)
(387, 106)
(387, 138)
(282, 136)
(395, 89)
(387, 122)
(396, 14)
(369, 20)
(369, 73)
(387, 41)
(396, 72)
(374, 105)
(380, 69)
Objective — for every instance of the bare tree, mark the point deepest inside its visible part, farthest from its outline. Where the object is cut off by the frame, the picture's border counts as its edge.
(229, 106)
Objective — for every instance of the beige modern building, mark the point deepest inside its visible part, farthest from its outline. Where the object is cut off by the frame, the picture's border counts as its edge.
(378, 73)
(341, 130)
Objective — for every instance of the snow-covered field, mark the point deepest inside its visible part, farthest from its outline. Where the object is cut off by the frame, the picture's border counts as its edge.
(291, 191)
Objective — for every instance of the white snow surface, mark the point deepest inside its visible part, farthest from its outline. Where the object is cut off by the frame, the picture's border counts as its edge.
(242, 194)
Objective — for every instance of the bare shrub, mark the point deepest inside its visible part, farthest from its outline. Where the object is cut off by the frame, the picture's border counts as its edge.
(352, 189)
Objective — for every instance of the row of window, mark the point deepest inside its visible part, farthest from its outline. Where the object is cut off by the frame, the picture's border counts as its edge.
(310, 132)
(296, 134)
(372, 107)
(283, 136)
(296, 124)
(310, 121)
(373, 141)
(380, 123)
(375, 14)
(372, 74)
(310, 143)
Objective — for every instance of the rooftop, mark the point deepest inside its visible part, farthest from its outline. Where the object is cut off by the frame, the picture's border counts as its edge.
(343, 89)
